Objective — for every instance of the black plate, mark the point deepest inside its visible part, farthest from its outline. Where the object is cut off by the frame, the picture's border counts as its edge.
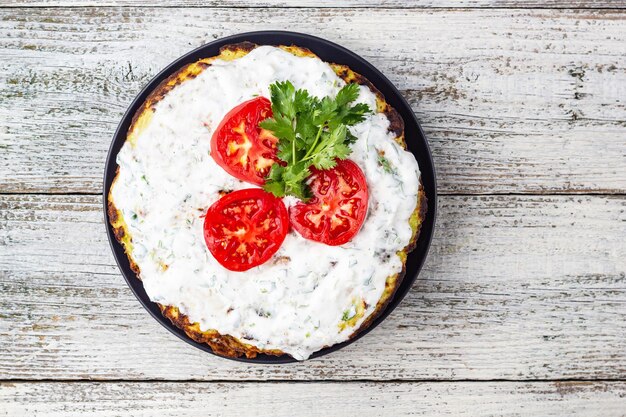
(329, 52)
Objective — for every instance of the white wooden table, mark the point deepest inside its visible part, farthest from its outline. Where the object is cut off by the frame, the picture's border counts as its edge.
(521, 307)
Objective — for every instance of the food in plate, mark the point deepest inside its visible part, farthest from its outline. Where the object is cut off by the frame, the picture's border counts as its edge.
(266, 201)
(245, 228)
(328, 216)
(232, 154)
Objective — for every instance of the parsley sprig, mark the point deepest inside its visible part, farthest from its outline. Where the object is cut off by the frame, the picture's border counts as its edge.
(310, 132)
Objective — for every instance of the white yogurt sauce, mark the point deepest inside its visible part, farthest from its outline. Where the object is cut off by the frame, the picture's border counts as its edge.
(168, 179)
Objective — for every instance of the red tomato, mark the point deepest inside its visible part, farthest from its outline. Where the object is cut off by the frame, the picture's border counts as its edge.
(240, 146)
(245, 228)
(337, 209)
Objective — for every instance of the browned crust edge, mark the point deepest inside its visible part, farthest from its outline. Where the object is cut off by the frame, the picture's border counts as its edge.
(227, 345)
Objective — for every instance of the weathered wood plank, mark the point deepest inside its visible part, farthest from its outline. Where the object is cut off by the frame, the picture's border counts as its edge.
(516, 287)
(547, 4)
(602, 399)
(511, 100)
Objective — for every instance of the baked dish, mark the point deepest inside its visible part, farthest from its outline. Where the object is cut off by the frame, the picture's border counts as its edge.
(266, 200)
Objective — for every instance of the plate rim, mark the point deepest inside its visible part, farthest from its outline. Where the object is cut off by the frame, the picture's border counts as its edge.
(427, 172)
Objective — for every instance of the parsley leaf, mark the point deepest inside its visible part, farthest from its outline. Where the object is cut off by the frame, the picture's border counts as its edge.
(273, 184)
(311, 132)
(347, 94)
(280, 125)
(282, 99)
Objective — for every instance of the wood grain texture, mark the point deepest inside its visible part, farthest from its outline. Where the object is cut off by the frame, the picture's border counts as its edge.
(398, 4)
(602, 399)
(516, 287)
(512, 101)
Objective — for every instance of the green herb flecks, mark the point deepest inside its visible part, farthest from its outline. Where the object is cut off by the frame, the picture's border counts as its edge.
(384, 162)
(310, 132)
(348, 314)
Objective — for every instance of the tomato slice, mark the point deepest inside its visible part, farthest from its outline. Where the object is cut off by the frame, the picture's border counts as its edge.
(245, 228)
(240, 146)
(336, 212)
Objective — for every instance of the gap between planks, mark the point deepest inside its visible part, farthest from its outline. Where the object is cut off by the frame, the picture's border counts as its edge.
(581, 193)
(441, 8)
(309, 381)
(326, 4)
